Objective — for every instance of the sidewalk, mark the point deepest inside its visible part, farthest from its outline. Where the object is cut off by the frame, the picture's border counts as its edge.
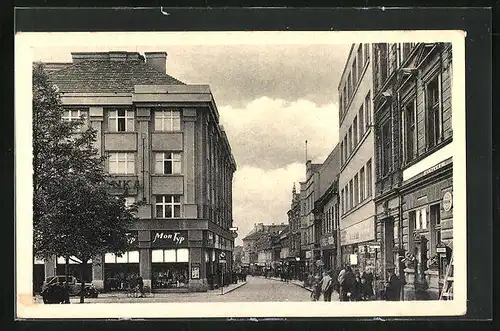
(227, 289)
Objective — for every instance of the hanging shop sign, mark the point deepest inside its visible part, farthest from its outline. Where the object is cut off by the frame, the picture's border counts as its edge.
(447, 201)
(169, 238)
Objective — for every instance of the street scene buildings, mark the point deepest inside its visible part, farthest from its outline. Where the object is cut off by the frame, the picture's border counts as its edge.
(378, 206)
(382, 200)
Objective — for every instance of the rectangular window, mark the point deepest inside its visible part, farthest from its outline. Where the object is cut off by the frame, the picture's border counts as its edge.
(362, 184)
(167, 120)
(168, 206)
(360, 60)
(367, 52)
(351, 194)
(413, 220)
(368, 110)
(349, 86)
(346, 153)
(346, 99)
(421, 219)
(121, 163)
(341, 153)
(369, 179)
(121, 120)
(433, 106)
(386, 148)
(355, 131)
(354, 74)
(361, 117)
(350, 140)
(342, 201)
(409, 115)
(168, 163)
(356, 190)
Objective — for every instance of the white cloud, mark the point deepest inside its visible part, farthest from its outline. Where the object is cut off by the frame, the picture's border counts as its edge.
(263, 196)
(271, 133)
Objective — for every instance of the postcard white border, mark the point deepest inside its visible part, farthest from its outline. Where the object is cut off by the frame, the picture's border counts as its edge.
(26, 308)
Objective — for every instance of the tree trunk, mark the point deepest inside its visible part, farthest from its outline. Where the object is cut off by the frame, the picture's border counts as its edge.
(82, 271)
(66, 285)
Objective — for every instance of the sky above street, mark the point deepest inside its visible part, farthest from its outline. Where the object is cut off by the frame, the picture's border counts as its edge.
(271, 99)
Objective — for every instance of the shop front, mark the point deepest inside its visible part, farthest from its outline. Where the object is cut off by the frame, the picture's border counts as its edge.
(359, 248)
(328, 251)
(428, 218)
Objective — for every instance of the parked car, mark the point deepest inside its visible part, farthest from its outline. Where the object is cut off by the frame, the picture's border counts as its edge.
(53, 285)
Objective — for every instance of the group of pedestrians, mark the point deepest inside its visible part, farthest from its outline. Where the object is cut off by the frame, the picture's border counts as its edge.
(351, 285)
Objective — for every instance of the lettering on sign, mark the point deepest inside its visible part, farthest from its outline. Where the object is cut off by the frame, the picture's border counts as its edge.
(436, 167)
(123, 184)
(360, 232)
(174, 238)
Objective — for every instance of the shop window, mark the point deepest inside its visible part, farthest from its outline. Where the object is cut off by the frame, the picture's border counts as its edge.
(168, 163)
(409, 136)
(168, 206)
(127, 257)
(121, 120)
(121, 163)
(433, 107)
(167, 120)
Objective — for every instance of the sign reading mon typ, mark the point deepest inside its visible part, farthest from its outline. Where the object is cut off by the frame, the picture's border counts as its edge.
(168, 238)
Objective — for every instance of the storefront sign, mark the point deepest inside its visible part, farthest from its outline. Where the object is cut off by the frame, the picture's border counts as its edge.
(123, 185)
(353, 259)
(447, 201)
(360, 232)
(195, 271)
(168, 238)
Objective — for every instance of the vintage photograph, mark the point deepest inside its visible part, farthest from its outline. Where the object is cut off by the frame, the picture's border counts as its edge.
(317, 169)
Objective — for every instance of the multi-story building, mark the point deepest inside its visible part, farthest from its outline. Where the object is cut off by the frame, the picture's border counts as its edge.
(357, 208)
(166, 151)
(414, 185)
(326, 210)
(257, 247)
(294, 235)
(310, 234)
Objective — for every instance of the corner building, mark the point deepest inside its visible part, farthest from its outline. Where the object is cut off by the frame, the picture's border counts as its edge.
(166, 151)
(357, 208)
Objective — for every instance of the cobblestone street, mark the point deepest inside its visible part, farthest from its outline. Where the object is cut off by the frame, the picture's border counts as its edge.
(257, 289)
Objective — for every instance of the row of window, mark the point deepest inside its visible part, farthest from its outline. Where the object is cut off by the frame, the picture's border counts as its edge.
(358, 189)
(433, 127)
(329, 220)
(356, 131)
(388, 61)
(123, 163)
(354, 76)
(123, 120)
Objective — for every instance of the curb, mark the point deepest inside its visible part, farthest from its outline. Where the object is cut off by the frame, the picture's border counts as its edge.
(234, 288)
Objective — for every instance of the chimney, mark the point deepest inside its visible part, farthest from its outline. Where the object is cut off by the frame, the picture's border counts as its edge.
(158, 60)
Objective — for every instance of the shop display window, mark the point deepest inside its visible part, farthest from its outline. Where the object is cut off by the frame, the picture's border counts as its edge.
(170, 268)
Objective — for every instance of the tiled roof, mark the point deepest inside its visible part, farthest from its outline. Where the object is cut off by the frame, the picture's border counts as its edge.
(108, 76)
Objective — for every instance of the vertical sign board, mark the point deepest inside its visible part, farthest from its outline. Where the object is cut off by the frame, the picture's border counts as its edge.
(195, 271)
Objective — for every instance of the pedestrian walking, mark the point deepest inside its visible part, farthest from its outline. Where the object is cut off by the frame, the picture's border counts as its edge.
(392, 286)
(327, 286)
(357, 288)
(316, 288)
(367, 285)
(346, 281)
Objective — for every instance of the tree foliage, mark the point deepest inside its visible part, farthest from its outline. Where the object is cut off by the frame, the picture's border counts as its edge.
(73, 213)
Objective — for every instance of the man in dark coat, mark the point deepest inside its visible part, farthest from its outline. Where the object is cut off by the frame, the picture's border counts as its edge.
(392, 287)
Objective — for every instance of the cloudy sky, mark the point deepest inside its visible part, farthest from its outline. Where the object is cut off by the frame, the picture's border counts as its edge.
(271, 99)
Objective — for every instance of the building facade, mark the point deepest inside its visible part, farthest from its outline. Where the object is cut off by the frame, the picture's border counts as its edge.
(414, 183)
(326, 210)
(167, 152)
(310, 234)
(294, 236)
(357, 208)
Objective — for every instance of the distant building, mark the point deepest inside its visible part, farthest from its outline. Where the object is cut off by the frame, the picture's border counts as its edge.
(326, 210)
(166, 149)
(257, 247)
(295, 258)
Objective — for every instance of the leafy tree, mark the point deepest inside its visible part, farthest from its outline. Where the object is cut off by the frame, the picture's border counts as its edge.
(73, 213)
